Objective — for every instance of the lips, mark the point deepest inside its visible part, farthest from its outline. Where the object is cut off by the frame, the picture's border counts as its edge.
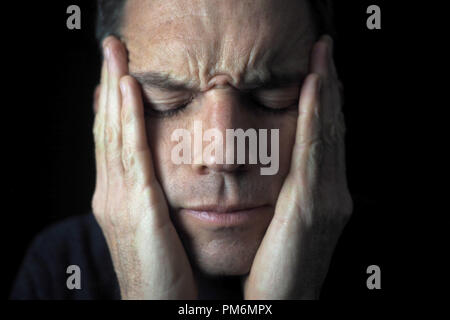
(225, 215)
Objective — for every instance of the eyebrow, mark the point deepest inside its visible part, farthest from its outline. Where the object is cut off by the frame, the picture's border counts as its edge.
(274, 81)
(165, 81)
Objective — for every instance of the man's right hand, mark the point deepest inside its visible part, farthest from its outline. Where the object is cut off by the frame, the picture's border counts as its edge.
(128, 202)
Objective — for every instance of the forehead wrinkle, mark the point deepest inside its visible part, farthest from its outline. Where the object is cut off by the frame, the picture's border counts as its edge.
(197, 48)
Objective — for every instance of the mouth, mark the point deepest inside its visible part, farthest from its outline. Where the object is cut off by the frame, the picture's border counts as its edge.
(226, 216)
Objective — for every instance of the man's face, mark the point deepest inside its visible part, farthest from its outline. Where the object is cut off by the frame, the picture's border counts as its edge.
(236, 64)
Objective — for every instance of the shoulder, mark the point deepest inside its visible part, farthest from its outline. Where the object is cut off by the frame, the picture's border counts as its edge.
(80, 234)
(75, 241)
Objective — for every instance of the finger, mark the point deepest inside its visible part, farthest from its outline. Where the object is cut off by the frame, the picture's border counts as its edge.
(334, 162)
(337, 131)
(319, 58)
(137, 162)
(100, 110)
(300, 184)
(332, 66)
(332, 119)
(117, 67)
(99, 124)
(340, 154)
(322, 63)
(334, 77)
(308, 144)
(136, 156)
(330, 46)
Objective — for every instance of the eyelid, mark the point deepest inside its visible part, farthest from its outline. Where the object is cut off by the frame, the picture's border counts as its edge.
(151, 112)
(162, 94)
(288, 89)
(166, 101)
(278, 97)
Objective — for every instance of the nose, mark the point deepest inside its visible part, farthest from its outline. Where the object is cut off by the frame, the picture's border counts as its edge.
(220, 111)
(211, 166)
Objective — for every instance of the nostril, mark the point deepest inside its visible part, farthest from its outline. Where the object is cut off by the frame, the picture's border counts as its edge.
(223, 168)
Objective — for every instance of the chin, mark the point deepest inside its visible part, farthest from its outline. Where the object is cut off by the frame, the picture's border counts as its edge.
(223, 249)
(225, 263)
(229, 254)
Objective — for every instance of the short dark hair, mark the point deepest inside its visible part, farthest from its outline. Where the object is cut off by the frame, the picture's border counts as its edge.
(109, 14)
(109, 18)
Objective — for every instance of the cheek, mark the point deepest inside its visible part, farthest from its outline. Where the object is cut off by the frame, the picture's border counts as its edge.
(159, 133)
(173, 178)
(157, 138)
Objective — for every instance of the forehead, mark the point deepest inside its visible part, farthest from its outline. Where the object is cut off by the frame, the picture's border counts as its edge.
(195, 40)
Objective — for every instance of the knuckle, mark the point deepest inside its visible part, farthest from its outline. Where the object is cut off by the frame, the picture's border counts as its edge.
(335, 130)
(131, 183)
(98, 143)
(112, 135)
(97, 130)
(317, 114)
(135, 185)
(115, 210)
(99, 153)
(315, 148)
(313, 145)
(114, 220)
(128, 158)
(330, 135)
(126, 117)
(316, 145)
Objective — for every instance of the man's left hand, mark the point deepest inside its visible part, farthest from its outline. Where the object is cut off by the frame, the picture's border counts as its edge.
(314, 203)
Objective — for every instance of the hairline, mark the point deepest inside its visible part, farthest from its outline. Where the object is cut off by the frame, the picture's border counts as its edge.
(318, 11)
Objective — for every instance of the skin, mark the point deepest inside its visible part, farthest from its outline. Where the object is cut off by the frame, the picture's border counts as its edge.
(220, 49)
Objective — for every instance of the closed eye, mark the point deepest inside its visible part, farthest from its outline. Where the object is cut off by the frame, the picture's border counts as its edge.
(161, 107)
(149, 111)
(276, 100)
(158, 112)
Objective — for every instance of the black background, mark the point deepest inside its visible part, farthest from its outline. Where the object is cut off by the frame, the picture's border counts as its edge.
(51, 73)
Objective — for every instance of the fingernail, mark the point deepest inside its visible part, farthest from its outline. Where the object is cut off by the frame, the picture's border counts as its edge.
(106, 41)
(105, 46)
(123, 88)
(107, 52)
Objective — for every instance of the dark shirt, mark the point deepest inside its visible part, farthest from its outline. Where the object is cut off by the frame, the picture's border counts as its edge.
(75, 241)
(79, 241)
